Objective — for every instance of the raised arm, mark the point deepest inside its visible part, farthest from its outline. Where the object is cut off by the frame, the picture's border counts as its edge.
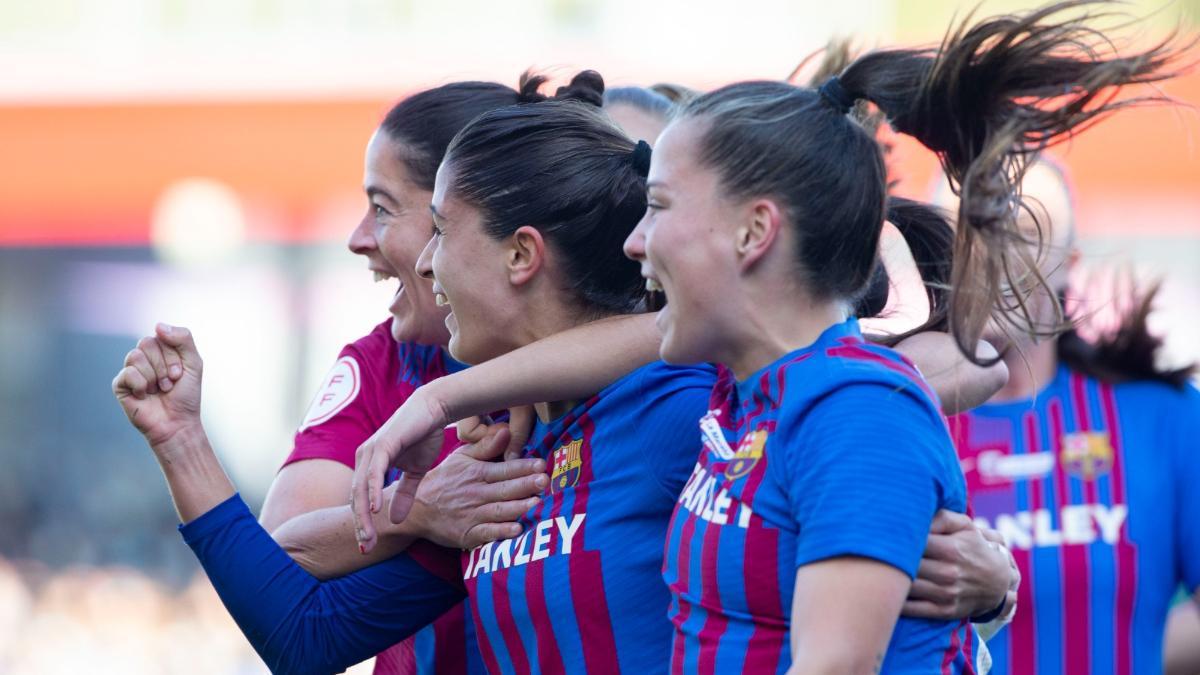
(295, 622)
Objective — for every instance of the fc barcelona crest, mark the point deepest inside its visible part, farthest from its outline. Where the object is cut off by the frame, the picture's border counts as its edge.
(567, 462)
(749, 451)
(1087, 454)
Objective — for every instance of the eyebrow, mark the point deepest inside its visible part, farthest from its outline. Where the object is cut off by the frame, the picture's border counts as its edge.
(375, 191)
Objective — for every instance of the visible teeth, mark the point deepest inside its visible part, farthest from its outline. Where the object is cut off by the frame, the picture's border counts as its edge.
(440, 299)
(380, 276)
(653, 286)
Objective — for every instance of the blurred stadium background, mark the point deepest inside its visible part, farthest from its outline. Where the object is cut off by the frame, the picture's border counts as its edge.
(198, 162)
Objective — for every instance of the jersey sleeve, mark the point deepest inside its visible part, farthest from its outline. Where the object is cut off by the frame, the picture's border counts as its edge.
(1187, 488)
(344, 412)
(678, 398)
(299, 624)
(865, 473)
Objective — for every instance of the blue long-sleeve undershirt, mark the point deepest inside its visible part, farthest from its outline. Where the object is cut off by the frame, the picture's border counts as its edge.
(297, 623)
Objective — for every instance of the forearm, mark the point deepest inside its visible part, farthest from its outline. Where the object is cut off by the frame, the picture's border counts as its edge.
(323, 541)
(960, 384)
(194, 474)
(1181, 647)
(569, 365)
(297, 623)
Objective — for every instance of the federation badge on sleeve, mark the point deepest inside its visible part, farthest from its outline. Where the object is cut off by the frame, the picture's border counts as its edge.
(1087, 454)
(567, 463)
(337, 391)
(749, 451)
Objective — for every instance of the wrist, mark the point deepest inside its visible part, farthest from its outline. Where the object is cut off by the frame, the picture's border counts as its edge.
(434, 397)
(180, 444)
(413, 524)
(992, 614)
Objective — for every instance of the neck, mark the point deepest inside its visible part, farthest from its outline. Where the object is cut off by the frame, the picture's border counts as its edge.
(768, 330)
(546, 320)
(1030, 368)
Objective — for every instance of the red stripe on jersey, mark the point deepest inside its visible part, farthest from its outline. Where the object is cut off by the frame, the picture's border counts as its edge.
(951, 651)
(507, 622)
(587, 577)
(1076, 605)
(449, 638)
(548, 657)
(760, 401)
(1126, 550)
(399, 659)
(863, 354)
(721, 393)
(485, 646)
(716, 621)
(969, 647)
(763, 595)
(763, 600)
(1023, 631)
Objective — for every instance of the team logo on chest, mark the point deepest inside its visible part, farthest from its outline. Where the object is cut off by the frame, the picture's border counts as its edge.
(1087, 454)
(749, 451)
(567, 463)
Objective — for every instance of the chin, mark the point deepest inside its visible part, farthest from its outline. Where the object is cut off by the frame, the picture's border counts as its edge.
(408, 329)
(404, 329)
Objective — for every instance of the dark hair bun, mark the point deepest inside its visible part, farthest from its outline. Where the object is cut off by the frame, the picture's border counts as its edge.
(527, 89)
(586, 87)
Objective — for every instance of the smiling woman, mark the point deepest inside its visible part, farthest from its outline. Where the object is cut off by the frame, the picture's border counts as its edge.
(567, 195)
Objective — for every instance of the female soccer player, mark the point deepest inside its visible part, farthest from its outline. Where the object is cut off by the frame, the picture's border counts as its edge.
(375, 374)
(827, 457)
(587, 566)
(1085, 462)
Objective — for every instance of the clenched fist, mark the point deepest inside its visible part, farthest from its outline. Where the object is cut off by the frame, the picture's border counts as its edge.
(159, 387)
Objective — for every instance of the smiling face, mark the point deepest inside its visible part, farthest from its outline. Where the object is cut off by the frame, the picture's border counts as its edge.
(391, 235)
(471, 278)
(685, 244)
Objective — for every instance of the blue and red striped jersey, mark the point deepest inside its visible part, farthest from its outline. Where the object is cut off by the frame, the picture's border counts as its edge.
(837, 449)
(1094, 486)
(371, 378)
(581, 589)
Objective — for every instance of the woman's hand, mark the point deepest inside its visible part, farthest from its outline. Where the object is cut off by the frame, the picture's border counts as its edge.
(410, 440)
(470, 499)
(965, 572)
(159, 390)
(159, 387)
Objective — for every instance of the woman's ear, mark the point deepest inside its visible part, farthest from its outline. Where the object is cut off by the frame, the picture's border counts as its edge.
(525, 256)
(754, 238)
